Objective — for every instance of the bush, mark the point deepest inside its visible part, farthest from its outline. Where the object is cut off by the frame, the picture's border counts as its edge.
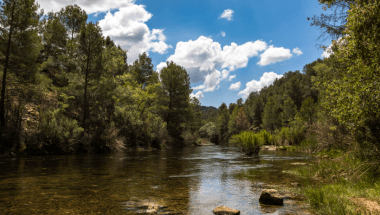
(249, 142)
(209, 131)
(267, 137)
(55, 133)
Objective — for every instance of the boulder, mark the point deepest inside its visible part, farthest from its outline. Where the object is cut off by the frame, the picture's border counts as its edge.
(152, 209)
(271, 197)
(223, 210)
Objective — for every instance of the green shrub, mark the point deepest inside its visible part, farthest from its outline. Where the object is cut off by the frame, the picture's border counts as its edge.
(249, 142)
(55, 133)
(267, 137)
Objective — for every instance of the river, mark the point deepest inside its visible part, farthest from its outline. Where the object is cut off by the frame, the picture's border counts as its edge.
(192, 180)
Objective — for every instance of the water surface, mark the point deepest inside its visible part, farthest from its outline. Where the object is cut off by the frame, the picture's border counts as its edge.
(192, 180)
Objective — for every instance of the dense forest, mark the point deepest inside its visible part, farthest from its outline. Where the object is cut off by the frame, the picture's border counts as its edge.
(66, 88)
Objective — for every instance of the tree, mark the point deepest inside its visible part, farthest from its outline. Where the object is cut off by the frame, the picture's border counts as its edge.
(271, 115)
(90, 47)
(242, 123)
(332, 24)
(175, 96)
(307, 111)
(19, 42)
(289, 111)
(232, 129)
(73, 17)
(223, 119)
(142, 70)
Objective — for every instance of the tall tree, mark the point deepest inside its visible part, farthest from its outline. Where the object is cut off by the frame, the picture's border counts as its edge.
(271, 115)
(176, 95)
(19, 42)
(142, 70)
(290, 110)
(223, 119)
(90, 47)
(73, 17)
(242, 123)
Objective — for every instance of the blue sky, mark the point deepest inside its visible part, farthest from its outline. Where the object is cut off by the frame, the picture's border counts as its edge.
(229, 47)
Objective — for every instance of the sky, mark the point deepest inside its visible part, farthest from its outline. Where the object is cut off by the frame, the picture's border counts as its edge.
(230, 48)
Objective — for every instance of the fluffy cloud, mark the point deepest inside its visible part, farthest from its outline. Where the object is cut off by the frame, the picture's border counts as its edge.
(127, 28)
(273, 55)
(232, 77)
(199, 95)
(212, 81)
(203, 56)
(199, 87)
(265, 80)
(223, 33)
(297, 51)
(93, 6)
(160, 66)
(227, 14)
(235, 86)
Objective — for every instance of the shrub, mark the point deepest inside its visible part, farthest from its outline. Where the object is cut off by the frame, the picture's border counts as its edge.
(249, 142)
(267, 137)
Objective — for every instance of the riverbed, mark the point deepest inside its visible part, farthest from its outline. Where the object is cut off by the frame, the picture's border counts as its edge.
(192, 180)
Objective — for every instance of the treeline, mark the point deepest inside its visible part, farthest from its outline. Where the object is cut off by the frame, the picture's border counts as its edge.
(66, 88)
(333, 103)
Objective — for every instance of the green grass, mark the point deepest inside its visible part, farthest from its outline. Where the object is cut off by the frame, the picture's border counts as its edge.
(330, 185)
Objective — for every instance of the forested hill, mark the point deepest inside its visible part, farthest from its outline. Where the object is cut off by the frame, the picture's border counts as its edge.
(206, 109)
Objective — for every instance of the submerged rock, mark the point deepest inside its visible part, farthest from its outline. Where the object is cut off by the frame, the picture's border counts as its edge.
(223, 210)
(271, 197)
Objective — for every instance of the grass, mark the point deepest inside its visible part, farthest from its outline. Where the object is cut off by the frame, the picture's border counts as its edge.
(331, 186)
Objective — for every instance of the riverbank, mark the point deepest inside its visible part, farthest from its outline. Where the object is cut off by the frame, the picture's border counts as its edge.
(339, 183)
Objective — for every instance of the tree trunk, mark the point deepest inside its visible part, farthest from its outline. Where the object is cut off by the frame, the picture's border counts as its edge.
(2, 100)
(85, 86)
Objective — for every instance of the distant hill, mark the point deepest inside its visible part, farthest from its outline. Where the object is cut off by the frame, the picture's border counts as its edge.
(206, 109)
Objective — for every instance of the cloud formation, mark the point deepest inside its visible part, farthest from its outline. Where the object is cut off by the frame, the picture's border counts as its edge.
(265, 80)
(203, 56)
(227, 14)
(297, 51)
(232, 77)
(235, 86)
(199, 95)
(127, 28)
(273, 55)
(223, 33)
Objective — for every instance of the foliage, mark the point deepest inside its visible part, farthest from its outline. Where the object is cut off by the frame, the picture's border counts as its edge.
(209, 131)
(174, 97)
(249, 142)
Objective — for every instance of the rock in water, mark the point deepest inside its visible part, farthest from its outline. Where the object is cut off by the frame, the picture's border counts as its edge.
(223, 210)
(271, 197)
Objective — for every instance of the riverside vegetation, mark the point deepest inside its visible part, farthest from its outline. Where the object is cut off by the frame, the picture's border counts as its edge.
(67, 89)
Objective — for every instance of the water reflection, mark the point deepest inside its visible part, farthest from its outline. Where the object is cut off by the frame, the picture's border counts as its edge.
(189, 181)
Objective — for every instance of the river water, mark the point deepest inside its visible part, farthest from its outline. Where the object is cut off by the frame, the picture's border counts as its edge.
(191, 180)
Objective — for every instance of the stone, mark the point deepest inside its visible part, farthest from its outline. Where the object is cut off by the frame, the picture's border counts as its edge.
(271, 197)
(152, 209)
(223, 210)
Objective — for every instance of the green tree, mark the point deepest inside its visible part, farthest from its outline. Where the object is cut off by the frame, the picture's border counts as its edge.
(175, 96)
(73, 17)
(19, 42)
(242, 123)
(232, 129)
(289, 111)
(271, 115)
(223, 118)
(142, 70)
(90, 48)
(308, 111)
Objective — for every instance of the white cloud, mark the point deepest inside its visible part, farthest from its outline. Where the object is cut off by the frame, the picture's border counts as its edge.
(212, 81)
(199, 87)
(297, 51)
(273, 55)
(265, 80)
(203, 56)
(199, 95)
(227, 14)
(328, 51)
(232, 77)
(160, 66)
(235, 86)
(223, 33)
(127, 28)
(93, 6)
